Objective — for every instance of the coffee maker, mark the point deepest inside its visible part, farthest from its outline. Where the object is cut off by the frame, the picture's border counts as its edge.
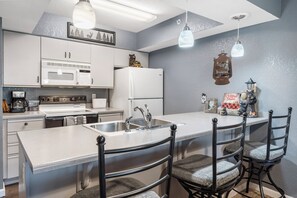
(18, 101)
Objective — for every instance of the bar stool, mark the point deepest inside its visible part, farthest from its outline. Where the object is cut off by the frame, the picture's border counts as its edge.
(128, 186)
(262, 157)
(205, 176)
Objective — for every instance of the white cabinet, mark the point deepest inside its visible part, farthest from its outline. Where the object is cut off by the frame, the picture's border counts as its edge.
(102, 69)
(110, 117)
(57, 49)
(21, 60)
(11, 143)
(121, 58)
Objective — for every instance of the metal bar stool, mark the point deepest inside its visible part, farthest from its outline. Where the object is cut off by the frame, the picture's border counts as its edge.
(205, 176)
(262, 157)
(130, 187)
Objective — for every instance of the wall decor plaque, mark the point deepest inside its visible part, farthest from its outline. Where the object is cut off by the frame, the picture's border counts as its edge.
(222, 69)
(93, 35)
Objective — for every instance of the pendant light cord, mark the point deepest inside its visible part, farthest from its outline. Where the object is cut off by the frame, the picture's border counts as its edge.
(238, 30)
(186, 11)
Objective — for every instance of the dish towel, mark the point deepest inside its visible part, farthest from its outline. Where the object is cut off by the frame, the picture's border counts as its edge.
(81, 120)
(70, 120)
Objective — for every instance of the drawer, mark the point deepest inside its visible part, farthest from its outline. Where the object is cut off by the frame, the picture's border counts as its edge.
(24, 125)
(13, 166)
(110, 117)
(13, 149)
(12, 138)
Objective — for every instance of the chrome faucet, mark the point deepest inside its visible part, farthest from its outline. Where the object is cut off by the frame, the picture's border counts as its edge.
(146, 116)
(127, 123)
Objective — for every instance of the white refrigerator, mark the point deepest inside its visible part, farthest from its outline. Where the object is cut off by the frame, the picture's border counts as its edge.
(137, 87)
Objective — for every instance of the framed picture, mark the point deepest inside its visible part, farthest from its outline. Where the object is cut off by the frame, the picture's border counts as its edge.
(93, 35)
(211, 105)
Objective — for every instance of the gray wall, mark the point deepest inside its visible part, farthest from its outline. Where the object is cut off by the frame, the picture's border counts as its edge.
(1, 114)
(270, 59)
(56, 26)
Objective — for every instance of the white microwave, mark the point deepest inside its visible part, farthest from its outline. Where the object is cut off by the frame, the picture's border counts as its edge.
(59, 73)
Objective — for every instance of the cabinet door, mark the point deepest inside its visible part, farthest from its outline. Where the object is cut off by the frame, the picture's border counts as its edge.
(102, 67)
(55, 49)
(121, 58)
(110, 117)
(79, 52)
(21, 60)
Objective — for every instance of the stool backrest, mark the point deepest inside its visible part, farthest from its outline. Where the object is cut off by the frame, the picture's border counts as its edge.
(103, 176)
(239, 137)
(273, 128)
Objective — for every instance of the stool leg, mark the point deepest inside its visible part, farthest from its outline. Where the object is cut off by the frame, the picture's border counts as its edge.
(260, 176)
(227, 194)
(251, 168)
(281, 191)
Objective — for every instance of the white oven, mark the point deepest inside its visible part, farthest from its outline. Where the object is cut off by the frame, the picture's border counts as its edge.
(59, 73)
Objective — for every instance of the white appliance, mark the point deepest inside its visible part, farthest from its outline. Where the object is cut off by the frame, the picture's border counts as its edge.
(59, 73)
(137, 87)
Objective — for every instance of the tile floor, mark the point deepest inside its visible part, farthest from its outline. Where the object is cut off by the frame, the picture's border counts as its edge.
(12, 192)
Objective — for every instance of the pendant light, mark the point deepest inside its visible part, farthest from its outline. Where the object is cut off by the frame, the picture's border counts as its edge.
(237, 49)
(186, 38)
(84, 15)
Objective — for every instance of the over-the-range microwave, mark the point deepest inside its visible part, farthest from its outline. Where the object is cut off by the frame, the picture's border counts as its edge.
(65, 74)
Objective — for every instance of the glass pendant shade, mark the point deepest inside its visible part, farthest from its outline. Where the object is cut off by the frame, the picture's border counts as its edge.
(186, 38)
(84, 15)
(237, 50)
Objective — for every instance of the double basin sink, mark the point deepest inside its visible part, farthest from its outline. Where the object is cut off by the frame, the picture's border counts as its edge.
(137, 124)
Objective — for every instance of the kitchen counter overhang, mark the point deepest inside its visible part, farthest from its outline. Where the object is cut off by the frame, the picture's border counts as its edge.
(55, 148)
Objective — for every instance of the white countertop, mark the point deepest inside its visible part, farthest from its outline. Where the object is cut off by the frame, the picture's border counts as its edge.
(54, 148)
(40, 114)
(27, 114)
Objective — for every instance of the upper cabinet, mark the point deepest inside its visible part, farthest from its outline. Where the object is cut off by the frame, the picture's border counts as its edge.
(102, 67)
(57, 49)
(121, 58)
(21, 60)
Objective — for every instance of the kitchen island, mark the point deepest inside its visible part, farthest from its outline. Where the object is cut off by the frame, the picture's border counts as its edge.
(53, 160)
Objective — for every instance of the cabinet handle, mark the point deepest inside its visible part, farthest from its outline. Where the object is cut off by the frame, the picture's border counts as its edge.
(37, 79)
(92, 81)
(69, 54)
(26, 123)
(100, 120)
(65, 54)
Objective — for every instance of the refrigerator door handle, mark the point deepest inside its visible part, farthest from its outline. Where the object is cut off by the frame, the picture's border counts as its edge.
(131, 108)
(131, 85)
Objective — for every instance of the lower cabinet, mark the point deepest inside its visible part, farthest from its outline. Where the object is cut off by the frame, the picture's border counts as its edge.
(110, 117)
(11, 144)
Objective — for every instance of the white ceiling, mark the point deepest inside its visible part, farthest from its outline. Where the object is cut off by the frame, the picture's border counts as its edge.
(23, 15)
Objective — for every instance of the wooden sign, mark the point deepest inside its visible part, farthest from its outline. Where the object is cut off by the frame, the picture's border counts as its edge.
(222, 69)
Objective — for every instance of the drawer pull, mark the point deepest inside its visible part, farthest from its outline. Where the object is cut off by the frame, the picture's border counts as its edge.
(26, 123)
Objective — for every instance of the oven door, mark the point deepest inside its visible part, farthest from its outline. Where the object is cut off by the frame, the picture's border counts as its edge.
(55, 76)
(54, 122)
(59, 121)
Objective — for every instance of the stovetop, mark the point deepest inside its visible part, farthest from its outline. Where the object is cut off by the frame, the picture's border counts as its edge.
(56, 106)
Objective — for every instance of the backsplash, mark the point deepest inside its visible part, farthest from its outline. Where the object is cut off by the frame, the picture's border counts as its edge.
(34, 93)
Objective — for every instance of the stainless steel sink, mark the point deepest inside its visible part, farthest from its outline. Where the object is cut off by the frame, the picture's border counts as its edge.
(112, 126)
(155, 123)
